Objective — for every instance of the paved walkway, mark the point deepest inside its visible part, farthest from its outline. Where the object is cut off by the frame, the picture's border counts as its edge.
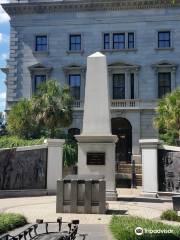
(45, 207)
(96, 225)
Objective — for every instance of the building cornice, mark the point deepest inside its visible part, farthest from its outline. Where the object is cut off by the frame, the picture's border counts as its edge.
(89, 5)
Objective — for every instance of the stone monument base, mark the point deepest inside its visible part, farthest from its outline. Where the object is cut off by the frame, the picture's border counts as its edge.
(111, 195)
(96, 155)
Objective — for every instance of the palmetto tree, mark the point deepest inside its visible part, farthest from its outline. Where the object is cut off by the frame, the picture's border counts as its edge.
(168, 113)
(53, 106)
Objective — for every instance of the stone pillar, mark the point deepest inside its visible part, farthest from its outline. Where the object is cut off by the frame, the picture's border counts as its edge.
(149, 150)
(55, 163)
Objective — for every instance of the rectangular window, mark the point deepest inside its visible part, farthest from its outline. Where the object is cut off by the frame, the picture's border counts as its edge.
(41, 44)
(164, 84)
(132, 85)
(118, 40)
(38, 79)
(164, 39)
(118, 86)
(106, 41)
(131, 40)
(75, 83)
(75, 42)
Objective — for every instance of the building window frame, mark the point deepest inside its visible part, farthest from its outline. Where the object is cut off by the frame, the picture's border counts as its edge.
(105, 41)
(122, 88)
(165, 88)
(78, 97)
(131, 41)
(35, 43)
(76, 70)
(165, 67)
(38, 69)
(70, 50)
(119, 42)
(168, 40)
(126, 41)
(35, 85)
(132, 85)
(127, 69)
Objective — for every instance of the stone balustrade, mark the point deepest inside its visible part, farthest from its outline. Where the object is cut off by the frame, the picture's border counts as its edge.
(78, 104)
(122, 104)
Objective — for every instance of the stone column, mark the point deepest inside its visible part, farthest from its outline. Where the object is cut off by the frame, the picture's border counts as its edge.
(55, 163)
(173, 79)
(136, 84)
(127, 85)
(149, 150)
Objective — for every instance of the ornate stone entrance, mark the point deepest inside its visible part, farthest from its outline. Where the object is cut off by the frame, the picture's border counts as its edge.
(123, 129)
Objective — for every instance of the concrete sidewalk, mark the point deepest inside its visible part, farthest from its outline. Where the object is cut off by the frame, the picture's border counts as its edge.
(45, 207)
(95, 225)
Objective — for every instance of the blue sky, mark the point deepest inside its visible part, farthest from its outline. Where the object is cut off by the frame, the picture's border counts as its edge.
(4, 51)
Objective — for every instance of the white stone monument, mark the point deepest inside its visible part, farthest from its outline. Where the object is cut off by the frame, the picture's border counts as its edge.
(96, 144)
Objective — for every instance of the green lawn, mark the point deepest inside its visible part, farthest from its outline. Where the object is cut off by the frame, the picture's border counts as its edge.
(123, 228)
(10, 221)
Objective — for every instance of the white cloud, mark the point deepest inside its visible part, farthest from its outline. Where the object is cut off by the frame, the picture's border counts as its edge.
(4, 38)
(3, 15)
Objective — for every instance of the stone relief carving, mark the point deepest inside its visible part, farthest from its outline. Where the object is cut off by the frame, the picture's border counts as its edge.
(169, 171)
(23, 169)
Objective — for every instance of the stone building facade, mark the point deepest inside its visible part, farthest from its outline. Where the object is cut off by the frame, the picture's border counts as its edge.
(141, 39)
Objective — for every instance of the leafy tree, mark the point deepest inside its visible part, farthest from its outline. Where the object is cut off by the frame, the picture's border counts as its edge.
(53, 106)
(168, 117)
(21, 121)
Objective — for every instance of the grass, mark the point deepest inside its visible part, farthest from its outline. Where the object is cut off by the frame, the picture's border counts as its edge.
(123, 228)
(13, 141)
(170, 215)
(10, 221)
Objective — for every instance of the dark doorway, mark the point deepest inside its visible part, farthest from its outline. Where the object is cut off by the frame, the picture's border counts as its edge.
(123, 129)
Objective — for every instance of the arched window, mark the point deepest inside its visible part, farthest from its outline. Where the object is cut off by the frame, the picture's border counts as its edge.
(73, 131)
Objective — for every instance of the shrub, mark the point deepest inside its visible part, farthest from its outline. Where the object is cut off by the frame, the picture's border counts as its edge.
(170, 215)
(70, 152)
(21, 120)
(123, 228)
(14, 141)
(10, 221)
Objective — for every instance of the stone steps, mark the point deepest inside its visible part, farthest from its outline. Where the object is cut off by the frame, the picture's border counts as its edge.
(124, 172)
(127, 168)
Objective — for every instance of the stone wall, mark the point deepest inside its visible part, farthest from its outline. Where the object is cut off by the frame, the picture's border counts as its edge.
(169, 170)
(23, 168)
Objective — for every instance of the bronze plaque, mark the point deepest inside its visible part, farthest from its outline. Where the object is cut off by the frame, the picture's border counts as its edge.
(96, 158)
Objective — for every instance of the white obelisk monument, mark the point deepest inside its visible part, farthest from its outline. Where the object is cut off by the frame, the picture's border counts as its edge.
(96, 144)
